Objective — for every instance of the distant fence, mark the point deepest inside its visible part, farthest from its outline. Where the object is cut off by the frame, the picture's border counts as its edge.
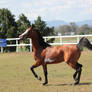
(59, 40)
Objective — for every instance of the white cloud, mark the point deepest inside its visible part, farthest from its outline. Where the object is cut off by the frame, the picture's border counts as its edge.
(5, 3)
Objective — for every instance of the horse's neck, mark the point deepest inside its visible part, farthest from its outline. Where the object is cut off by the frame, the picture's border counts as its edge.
(36, 46)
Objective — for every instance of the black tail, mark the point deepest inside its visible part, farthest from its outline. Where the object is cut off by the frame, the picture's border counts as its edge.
(84, 42)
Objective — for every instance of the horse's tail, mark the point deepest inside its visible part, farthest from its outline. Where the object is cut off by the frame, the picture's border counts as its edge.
(84, 42)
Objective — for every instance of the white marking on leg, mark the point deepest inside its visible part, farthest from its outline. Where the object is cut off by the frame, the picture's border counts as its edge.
(48, 60)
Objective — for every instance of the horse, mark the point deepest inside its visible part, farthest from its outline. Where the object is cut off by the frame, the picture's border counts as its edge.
(45, 54)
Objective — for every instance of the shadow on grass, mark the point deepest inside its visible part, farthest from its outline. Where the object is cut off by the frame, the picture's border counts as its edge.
(85, 83)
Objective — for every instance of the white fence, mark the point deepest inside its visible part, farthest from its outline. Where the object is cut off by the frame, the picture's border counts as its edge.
(60, 40)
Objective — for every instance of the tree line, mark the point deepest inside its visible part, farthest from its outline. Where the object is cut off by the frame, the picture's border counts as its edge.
(74, 29)
(11, 28)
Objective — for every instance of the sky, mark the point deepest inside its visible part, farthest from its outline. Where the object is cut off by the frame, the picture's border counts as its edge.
(66, 10)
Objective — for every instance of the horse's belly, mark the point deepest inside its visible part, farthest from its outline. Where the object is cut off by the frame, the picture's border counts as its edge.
(54, 56)
(54, 62)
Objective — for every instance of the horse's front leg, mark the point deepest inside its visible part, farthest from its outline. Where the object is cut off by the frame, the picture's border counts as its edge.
(34, 73)
(45, 74)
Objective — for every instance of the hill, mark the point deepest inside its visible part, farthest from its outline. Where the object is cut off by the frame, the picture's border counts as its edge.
(57, 23)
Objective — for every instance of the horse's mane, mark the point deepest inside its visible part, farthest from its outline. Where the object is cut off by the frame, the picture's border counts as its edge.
(41, 41)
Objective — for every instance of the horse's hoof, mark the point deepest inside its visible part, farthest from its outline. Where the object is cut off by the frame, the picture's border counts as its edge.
(39, 78)
(76, 83)
(45, 83)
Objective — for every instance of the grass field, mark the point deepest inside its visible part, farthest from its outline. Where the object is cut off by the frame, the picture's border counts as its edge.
(15, 75)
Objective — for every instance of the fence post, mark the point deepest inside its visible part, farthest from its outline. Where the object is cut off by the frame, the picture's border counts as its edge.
(1, 49)
(17, 46)
(78, 38)
(45, 39)
(61, 40)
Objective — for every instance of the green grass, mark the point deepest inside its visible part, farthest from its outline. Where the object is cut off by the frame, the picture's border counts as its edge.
(15, 75)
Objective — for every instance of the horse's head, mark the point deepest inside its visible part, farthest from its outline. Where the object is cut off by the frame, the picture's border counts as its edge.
(29, 33)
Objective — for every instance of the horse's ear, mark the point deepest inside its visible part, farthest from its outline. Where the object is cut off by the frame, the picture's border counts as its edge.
(33, 26)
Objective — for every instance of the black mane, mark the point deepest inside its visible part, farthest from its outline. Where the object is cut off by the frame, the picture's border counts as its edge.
(41, 41)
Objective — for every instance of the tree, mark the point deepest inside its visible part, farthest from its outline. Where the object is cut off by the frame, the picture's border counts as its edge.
(22, 23)
(64, 30)
(85, 29)
(42, 27)
(74, 27)
(8, 27)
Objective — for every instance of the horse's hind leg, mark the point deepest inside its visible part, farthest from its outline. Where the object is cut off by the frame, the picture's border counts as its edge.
(74, 76)
(34, 73)
(45, 74)
(77, 74)
(78, 71)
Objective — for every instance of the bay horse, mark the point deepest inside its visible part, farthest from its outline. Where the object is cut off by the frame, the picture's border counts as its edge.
(45, 54)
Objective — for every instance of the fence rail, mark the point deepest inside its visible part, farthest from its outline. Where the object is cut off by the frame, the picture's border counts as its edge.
(59, 42)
